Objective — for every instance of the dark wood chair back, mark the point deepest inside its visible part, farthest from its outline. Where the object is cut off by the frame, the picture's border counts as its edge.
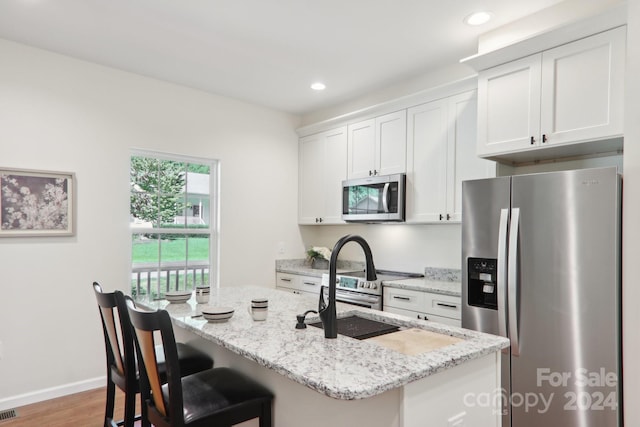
(120, 353)
(152, 328)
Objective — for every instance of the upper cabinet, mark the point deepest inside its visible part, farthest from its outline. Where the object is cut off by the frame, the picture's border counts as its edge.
(441, 141)
(377, 146)
(322, 168)
(561, 97)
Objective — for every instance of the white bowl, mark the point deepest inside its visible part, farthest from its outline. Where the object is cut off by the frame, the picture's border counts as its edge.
(177, 296)
(217, 314)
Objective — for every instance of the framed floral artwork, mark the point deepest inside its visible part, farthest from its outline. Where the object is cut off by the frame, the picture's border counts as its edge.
(36, 203)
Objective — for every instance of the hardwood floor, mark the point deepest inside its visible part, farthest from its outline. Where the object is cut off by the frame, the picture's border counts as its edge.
(84, 409)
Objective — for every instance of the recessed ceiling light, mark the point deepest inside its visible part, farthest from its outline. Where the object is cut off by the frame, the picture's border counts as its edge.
(318, 86)
(478, 18)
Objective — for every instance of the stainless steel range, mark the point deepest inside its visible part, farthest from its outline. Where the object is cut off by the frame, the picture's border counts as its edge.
(352, 287)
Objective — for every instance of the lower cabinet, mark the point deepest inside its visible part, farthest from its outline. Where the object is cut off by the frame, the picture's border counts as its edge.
(423, 305)
(298, 284)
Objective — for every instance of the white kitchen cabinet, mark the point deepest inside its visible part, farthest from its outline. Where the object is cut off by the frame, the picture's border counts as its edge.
(422, 305)
(566, 95)
(322, 168)
(377, 146)
(298, 284)
(441, 141)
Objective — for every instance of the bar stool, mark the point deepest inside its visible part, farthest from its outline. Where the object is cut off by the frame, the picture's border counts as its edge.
(218, 396)
(122, 370)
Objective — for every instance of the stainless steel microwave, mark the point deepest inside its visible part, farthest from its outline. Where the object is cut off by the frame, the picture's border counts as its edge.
(374, 199)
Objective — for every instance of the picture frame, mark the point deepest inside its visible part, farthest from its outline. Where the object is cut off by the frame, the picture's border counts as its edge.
(36, 203)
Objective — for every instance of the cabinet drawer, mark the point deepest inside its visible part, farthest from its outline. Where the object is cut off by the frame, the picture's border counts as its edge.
(424, 316)
(404, 298)
(285, 280)
(309, 284)
(298, 283)
(443, 305)
(444, 320)
(408, 313)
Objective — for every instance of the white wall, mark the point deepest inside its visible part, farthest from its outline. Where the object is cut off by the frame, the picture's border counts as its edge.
(60, 114)
(400, 247)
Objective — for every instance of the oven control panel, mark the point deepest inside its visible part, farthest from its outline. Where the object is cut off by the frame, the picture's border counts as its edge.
(354, 284)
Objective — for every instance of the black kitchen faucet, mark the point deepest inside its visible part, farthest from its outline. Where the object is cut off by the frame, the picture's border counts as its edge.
(327, 310)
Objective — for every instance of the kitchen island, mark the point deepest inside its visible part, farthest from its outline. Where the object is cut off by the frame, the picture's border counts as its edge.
(344, 381)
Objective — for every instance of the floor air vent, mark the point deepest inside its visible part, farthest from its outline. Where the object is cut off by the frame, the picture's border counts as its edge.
(8, 414)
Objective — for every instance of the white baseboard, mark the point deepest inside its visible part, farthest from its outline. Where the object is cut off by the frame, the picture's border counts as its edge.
(51, 393)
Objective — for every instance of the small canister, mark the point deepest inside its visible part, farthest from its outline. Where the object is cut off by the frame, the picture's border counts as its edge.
(202, 294)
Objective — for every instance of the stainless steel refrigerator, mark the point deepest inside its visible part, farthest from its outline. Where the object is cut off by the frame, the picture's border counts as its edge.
(541, 266)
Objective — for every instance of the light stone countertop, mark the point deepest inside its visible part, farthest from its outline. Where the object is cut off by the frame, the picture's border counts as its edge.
(302, 267)
(426, 285)
(436, 280)
(342, 368)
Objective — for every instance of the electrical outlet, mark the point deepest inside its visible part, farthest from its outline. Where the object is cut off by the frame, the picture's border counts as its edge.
(457, 420)
(1, 353)
(280, 248)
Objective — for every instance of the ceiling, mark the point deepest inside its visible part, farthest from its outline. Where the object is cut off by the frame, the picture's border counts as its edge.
(266, 52)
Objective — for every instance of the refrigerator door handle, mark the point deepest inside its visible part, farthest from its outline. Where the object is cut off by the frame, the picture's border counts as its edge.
(513, 287)
(502, 274)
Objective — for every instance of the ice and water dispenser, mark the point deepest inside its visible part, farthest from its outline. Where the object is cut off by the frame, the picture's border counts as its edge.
(482, 288)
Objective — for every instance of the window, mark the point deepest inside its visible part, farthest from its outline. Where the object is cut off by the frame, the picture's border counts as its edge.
(173, 211)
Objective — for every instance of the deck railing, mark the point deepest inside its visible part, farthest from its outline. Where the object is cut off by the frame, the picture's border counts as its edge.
(149, 279)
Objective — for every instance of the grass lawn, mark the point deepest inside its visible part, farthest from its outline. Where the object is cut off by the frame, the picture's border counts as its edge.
(172, 250)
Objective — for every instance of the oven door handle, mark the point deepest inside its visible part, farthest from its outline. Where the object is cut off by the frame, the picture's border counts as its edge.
(364, 302)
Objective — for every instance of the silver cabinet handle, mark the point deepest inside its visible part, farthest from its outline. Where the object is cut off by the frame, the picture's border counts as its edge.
(513, 281)
(402, 298)
(284, 280)
(441, 304)
(310, 283)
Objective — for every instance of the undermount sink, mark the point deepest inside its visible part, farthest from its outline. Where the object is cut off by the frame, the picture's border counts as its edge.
(361, 328)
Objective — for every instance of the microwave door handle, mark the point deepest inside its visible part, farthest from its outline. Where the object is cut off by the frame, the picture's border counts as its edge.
(385, 198)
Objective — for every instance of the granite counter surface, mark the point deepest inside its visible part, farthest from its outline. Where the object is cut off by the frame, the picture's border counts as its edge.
(342, 368)
(426, 285)
(302, 267)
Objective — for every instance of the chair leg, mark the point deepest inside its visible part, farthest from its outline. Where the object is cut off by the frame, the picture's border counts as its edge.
(108, 410)
(265, 416)
(144, 411)
(129, 408)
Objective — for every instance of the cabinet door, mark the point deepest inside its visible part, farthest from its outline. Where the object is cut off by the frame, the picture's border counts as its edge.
(335, 171)
(583, 89)
(391, 143)
(509, 106)
(427, 161)
(311, 190)
(361, 149)
(323, 167)
(462, 162)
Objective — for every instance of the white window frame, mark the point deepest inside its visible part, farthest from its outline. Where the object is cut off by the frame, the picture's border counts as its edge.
(214, 210)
